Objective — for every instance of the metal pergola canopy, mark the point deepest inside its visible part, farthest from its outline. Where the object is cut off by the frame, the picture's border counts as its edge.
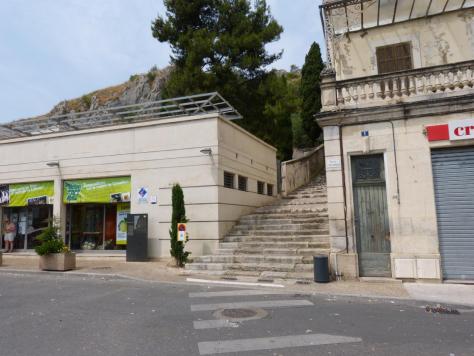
(344, 16)
(148, 111)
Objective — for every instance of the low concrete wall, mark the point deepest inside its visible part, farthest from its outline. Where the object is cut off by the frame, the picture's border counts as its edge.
(298, 172)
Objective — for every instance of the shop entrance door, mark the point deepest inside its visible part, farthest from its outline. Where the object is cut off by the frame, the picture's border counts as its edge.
(371, 216)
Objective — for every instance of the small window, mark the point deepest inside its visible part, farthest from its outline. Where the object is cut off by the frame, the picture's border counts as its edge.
(260, 187)
(229, 180)
(394, 58)
(243, 183)
(270, 189)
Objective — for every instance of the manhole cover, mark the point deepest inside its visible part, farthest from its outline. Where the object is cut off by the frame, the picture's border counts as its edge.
(239, 313)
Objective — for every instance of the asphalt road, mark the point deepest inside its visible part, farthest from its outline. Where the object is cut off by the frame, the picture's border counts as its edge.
(70, 315)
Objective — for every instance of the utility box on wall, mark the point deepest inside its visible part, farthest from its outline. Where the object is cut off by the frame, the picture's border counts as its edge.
(137, 237)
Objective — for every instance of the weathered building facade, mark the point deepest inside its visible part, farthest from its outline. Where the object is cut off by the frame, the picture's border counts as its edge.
(398, 119)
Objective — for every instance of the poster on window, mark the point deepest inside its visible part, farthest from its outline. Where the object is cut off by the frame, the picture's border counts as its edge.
(4, 194)
(121, 235)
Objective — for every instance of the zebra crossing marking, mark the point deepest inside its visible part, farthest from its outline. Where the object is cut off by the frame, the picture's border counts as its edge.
(253, 304)
(271, 343)
(236, 293)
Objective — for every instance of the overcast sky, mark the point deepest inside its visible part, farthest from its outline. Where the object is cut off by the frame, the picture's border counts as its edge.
(52, 50)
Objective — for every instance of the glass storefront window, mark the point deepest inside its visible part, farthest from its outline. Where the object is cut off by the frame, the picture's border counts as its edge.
(92, 227)
(30, 222)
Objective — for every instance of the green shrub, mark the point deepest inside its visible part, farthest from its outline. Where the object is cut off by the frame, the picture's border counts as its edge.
(87, 100)
(133, 77)
(151, 76)
(51, 242)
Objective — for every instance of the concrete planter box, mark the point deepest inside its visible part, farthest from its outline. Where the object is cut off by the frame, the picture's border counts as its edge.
(58, 262)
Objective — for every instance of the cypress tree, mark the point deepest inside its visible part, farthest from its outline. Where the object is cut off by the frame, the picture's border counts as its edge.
(311, 92)
(178, 216)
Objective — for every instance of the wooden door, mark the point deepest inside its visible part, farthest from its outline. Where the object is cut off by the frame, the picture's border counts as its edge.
(371, 216)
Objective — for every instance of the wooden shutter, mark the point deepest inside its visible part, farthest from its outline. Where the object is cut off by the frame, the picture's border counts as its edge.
(394, 58)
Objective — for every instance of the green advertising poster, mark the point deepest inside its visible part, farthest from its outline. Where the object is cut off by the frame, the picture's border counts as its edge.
(24, 194)
(103, 190)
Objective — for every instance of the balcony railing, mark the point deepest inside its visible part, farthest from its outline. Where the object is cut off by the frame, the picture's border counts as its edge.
(394, 88)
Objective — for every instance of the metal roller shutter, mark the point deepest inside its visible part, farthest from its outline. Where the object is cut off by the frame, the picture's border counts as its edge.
(453, 175)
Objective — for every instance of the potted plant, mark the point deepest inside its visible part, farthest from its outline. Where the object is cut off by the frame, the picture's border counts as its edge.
(54, 254)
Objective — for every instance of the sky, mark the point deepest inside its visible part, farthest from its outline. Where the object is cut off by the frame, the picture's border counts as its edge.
(54, 50)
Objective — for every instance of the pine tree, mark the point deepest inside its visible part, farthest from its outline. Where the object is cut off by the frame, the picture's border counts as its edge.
(178, 216)
(220, 45)
(311, 92)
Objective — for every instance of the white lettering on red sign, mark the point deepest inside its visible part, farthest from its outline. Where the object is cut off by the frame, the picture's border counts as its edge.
(461, 130)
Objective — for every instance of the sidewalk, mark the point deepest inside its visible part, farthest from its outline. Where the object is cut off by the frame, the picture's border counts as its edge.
(164, 271)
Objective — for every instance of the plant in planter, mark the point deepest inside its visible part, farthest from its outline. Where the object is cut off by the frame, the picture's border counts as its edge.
(54, 254)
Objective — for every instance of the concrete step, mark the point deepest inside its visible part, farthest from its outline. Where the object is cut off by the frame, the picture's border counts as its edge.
(304, 195)
(264, 220)
(277, 238)
(268, 258)
(305, 252)
(251, 267)
(279, 226)
(228, 245)
(298, 232)
(287, 215)
(303, 201)
(258, 246)
(225, 251)
(295, 209)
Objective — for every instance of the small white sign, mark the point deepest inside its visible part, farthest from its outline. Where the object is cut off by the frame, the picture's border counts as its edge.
(461, 129)
(333, 163)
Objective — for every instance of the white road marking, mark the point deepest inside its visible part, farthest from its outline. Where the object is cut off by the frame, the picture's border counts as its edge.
(271, 343)
(254, 304)
(214, 324)
(236, 293)
(206, 281)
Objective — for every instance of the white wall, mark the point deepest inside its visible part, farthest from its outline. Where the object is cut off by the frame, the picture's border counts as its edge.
(156, 155)
(246, 155)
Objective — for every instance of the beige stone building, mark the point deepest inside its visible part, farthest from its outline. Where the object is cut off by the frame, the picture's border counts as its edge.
(398, 119)
(90, 169)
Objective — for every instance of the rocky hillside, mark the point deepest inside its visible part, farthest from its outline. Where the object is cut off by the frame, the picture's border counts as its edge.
(139, 88)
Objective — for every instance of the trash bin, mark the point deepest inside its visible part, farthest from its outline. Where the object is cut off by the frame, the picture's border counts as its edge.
(321, 269)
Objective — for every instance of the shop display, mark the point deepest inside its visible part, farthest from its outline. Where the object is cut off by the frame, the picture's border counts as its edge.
(103, 190)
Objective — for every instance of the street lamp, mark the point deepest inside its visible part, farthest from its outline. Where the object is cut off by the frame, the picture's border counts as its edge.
(53, 164)
(206, 151)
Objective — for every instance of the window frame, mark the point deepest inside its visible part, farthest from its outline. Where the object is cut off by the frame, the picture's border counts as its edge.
(269, 190)
(233, 179)
(395, 63)
(244, 179)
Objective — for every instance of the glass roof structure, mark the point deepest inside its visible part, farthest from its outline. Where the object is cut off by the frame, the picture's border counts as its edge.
(119, 115)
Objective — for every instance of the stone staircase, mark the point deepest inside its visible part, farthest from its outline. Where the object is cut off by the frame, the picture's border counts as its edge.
(275, 241)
